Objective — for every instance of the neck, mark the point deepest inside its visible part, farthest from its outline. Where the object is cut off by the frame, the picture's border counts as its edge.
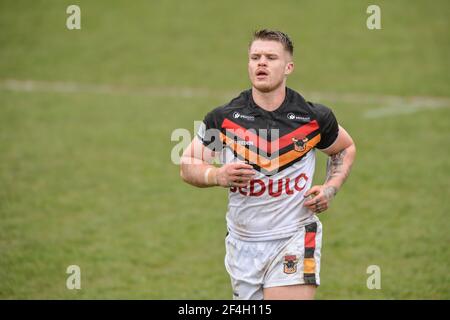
(269, 101)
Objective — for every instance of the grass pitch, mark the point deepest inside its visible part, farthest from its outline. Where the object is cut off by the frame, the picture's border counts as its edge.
(85, 170)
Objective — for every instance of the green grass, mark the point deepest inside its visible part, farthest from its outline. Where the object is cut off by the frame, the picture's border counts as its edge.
(86, 178)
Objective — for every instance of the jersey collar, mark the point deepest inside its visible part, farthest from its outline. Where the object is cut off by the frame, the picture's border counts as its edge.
(278, 110)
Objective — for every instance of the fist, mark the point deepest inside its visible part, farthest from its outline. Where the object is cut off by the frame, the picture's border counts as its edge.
(319, 198)
(236, 174)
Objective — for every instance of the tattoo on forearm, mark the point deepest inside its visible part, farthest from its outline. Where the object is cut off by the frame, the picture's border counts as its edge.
(330, 192)
(336, 168)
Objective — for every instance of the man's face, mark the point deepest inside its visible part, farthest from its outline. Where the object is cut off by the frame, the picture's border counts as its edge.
(268, 65)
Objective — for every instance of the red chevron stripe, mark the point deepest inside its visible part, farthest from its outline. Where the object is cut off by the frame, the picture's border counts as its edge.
(262, 143)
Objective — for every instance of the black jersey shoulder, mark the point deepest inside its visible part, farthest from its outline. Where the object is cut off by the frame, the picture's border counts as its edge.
(329, 127)
(236, 108)
(211, 128)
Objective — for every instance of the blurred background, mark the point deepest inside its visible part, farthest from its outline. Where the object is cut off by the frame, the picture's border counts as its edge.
(86, 118)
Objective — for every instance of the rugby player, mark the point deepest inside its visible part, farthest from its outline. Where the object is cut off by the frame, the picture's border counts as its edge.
(266, 140)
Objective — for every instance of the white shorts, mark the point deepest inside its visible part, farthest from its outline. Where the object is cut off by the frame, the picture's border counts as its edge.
(253, 266)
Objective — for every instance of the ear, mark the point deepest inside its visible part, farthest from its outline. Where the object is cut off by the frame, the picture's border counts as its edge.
(289, 68)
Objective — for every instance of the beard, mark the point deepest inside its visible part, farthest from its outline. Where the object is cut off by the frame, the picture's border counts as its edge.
(267, 86)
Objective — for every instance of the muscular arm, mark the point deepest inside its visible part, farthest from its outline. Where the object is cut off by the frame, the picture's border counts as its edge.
(197, 170)
(341, 156)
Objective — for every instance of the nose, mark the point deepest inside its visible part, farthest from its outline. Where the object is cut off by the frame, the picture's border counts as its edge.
(262, 62)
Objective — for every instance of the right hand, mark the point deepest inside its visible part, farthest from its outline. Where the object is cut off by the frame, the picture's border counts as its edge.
(236, 174)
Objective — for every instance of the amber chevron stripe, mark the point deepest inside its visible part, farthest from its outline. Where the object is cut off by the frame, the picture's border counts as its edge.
(272, 163)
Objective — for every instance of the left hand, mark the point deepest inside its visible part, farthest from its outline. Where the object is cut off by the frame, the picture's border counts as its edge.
(322, 196)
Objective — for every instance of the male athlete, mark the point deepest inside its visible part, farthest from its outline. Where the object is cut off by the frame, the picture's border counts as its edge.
(266, 139)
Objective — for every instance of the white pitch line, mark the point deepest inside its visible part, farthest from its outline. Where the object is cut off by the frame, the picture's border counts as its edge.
(74, 87)
(391, 105)
(399, 110)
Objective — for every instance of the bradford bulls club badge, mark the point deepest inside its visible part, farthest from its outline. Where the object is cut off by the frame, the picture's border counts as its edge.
(290, 264)
(300, 145)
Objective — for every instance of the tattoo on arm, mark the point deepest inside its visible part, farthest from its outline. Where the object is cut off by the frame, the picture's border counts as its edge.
(334, 165)
(330, 192)
(336, 169)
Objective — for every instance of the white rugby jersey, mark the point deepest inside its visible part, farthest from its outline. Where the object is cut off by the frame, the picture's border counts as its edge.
(280, 145)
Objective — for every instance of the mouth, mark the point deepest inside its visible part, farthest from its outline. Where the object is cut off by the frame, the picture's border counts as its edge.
(260, 74)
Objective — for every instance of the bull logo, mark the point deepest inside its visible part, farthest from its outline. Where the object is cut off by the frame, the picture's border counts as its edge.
(290, 264)
(299, 145)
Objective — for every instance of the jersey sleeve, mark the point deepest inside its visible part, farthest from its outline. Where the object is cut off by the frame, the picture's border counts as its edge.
(328, 125)
(209, 132)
